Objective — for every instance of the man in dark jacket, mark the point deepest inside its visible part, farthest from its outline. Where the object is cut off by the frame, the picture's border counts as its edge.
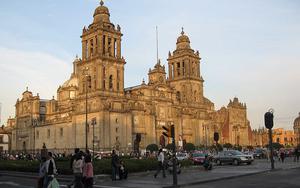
(73, 157)
(115, 165)
(296, 155)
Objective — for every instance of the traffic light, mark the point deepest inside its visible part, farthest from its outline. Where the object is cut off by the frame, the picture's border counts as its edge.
(167, 132)
(269, 120)
(216, 136)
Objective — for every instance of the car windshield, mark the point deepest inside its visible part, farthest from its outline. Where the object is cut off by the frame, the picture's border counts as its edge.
(181, 155)
(236, 153)
(198, 154)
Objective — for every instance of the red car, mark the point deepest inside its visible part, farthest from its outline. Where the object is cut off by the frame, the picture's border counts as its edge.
(198, 158)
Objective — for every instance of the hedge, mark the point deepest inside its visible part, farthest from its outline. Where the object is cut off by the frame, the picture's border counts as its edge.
(102, 166)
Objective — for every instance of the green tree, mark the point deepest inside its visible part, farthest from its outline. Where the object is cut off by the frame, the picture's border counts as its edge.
(189, 147)
(227, 145)
(169, 146)
(250, 147)
(276, 146)
(152, 147)
(237, 147)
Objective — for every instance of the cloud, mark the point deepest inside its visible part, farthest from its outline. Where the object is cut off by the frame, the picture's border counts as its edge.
(40, 71)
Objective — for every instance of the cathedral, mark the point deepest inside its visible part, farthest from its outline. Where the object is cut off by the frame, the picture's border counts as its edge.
(94, 109)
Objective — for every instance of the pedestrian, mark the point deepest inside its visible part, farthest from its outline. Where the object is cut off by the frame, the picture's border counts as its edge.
(42, 172)
(296, 155)
(88, 172)
(282, 155)
(160, 160)
(73, 157)
(115, 165)
(123, 172)
(50, 170)
(207, 163)
(77, 171)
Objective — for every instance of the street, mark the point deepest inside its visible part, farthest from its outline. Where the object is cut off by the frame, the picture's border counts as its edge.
(277, 179)
(257, 174)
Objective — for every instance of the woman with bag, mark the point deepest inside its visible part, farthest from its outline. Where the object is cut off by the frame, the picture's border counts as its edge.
(77, 170)
(88, 172)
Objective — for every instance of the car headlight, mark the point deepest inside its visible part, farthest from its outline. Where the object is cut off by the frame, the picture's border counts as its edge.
(243, 158)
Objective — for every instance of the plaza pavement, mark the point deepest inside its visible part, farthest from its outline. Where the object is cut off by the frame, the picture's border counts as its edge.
(189, 176)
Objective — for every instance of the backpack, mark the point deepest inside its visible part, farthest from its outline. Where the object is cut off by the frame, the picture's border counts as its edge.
(50, 168)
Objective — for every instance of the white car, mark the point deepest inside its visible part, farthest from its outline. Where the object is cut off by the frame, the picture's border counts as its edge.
(182, 156)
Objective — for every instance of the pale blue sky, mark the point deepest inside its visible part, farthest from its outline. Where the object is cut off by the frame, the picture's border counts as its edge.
(250, 49)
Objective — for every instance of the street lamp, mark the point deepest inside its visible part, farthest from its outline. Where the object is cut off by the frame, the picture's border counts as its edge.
(235, 128)
(93, 124)
(87, 85)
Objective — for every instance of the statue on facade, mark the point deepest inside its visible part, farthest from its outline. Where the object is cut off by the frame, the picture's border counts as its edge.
(136, 145)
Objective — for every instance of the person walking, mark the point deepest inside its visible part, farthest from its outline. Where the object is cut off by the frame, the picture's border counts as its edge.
(115, 165)
(77, 171)
(88, 172)
(50, 170)
(123, 172)
(296, 155)
(73, 157)
(42, 172)
(160, 160)
(282, 156)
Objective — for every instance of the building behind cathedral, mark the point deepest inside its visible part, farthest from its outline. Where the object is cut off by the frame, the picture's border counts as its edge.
(172, 95)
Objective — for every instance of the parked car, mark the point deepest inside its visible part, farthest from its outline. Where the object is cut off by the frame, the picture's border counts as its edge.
(182, 156)
(233, 157)
(198, 158)
(259, 153)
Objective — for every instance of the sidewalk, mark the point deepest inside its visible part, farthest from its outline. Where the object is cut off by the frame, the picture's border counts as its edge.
(196, 175)
(189, 176)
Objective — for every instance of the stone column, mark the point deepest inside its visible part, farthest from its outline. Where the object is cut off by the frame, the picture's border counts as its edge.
(118, 48)
(101, 46)
(175, 70)
(95, 45)
(106, 45)
(122, 78)
(112, 48)
(84, 50)
(181, 68)
(170, 71)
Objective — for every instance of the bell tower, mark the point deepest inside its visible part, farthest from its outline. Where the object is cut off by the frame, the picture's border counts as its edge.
(184, 71)
(101, 55)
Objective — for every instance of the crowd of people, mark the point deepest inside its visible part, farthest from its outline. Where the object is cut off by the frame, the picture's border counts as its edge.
(83, 170)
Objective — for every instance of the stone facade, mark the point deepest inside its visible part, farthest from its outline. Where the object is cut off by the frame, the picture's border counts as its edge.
(260, 137)
(287, 138)
(123, 113)
(297, 130)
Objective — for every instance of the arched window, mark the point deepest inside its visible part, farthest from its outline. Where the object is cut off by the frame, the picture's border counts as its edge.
(103, 77)
(110, 82)
(183, 68)
(178, 69)
(178, 95)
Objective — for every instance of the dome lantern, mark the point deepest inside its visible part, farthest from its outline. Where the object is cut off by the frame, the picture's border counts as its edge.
(101, 13)
(183, 41)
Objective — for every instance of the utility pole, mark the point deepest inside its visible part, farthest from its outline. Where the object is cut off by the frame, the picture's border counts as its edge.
(87, 85)
(93, 124)
(174, 156)
(269, 125)
(170, 132)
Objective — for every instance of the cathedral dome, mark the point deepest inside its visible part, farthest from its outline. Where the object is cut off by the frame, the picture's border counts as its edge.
(72, 82)
(101, 14)
(297, 122)
(183, 41)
